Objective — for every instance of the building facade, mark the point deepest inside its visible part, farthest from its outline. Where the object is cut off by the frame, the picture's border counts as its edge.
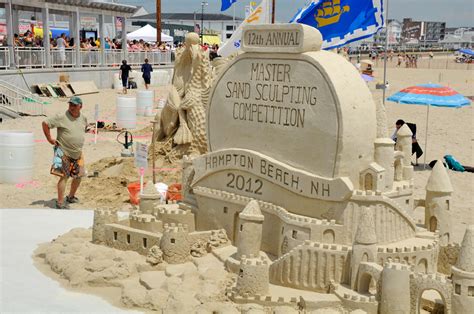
(394, 33)
(422, 31)
(221, 24)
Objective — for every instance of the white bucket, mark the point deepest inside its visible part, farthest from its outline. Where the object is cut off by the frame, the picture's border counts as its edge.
(144, 101)
(16, 156)
(117, 82)
(126, 112)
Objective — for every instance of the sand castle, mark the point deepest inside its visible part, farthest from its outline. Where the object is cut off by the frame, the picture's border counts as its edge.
(302, 188)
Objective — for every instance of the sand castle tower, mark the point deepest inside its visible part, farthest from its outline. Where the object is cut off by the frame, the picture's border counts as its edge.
(364, 248)
(253, 277)
(437, 203)
(384, 147)
(404, 142)
(395, 294)
(463, 275)
(149, 198)
(175, 244)
(250, 230)
(102, 218)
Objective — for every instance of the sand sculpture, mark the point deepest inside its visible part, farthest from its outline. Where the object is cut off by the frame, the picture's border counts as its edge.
(302, 195)
(183, 120)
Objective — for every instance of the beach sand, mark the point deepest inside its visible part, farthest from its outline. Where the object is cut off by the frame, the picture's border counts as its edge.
(451, 131)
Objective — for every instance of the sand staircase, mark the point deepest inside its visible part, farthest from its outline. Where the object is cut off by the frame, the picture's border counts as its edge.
(20, 101)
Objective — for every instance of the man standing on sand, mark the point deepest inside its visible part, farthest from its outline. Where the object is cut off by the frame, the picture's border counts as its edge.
(68, 159)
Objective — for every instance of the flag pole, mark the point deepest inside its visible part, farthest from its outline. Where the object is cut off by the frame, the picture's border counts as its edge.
(386, 55)
(233, 21)
(158, 21)
(273, 11)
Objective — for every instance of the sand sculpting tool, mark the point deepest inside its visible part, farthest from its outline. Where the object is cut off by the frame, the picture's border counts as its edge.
(96, 118)
(127, 150)
(154, 122)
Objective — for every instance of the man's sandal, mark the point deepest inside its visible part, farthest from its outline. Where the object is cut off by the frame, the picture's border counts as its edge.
(64, 205)
(72, 200)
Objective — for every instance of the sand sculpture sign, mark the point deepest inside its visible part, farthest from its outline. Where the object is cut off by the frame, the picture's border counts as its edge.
(276, 123)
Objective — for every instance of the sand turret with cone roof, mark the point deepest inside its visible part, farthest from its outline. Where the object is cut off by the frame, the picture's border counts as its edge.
(383, 154)
(466, 256)
(463, 276)
(250, 230)
(438, 203)
(404, 143)
(364, 248)
(439, 180)
(149, 198)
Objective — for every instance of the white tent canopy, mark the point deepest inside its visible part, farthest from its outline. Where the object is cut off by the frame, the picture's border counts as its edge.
(148, 33)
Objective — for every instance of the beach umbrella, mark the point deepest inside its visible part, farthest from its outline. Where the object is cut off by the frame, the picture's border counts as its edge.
(430, 95)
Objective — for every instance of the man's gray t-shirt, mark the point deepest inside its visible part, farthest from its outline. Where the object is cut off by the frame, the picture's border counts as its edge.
(70, 133)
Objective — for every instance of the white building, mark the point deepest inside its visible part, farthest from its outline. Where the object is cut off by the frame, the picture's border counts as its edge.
(460, 38)
(222, 24)
(394, 33)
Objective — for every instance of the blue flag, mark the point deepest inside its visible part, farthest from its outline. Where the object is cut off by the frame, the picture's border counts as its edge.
(343, 21)
(227, 4)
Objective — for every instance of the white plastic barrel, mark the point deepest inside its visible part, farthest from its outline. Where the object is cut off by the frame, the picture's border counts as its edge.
(126, 112)
(117, 82)
(16, 156)
(144, 100)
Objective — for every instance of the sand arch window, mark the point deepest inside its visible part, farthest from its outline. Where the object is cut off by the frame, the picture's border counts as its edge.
(172, 240)
(115, 235)
(329, 236)
(431, 301)
(365, 258)
(422, 266)
(367, 284)
(369, 182)
(145, 243)
(433, 224)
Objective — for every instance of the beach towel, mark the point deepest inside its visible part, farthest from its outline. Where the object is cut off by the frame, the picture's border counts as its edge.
(453, 163)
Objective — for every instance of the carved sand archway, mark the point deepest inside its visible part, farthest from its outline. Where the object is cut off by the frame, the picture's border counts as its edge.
(366, 272)
(419, 283)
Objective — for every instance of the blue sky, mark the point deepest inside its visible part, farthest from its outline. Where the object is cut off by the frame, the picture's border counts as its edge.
(454, 12)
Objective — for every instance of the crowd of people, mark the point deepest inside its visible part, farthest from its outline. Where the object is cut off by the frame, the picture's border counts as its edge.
(410, 61)
(30, 40)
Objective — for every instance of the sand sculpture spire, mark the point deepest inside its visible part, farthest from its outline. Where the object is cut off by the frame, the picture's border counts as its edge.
(437, 203)
(252, 212)
(463, 275)
(366, 229)
(466, 256)
(382, 131)
(439, 180)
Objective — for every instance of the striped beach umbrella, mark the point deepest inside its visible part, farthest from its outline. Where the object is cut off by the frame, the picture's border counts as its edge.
(430, 95)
